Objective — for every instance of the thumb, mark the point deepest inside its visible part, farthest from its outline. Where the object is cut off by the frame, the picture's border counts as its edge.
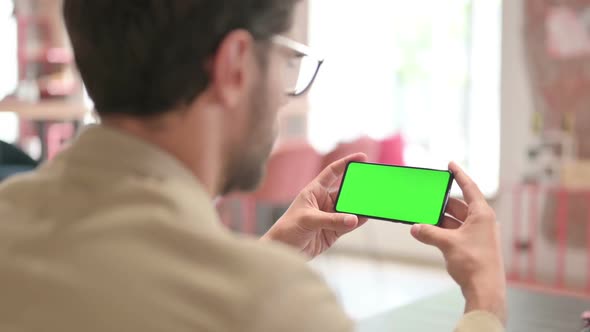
(338, 222)
(432, 235)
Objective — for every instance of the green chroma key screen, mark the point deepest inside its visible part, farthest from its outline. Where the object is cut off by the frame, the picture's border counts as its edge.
(401, 194)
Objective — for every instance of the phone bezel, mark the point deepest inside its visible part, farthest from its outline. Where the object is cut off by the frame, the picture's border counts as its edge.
(443, 208)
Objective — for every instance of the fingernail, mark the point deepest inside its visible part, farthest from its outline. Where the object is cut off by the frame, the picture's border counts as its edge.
(349, 221)
(416, 230)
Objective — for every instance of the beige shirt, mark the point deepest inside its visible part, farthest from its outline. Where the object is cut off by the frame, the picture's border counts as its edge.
(116, 235)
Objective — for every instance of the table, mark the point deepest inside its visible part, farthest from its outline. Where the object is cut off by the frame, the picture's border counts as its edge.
(527, 311)
(57, 110)
(45, 113)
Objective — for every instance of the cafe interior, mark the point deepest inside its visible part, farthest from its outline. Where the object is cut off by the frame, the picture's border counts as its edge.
(500, 87)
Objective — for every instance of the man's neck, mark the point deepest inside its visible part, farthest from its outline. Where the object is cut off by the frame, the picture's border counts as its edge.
(195, 149)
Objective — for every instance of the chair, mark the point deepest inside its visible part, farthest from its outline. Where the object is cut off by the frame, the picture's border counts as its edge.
(391, 151)
(290, 168)
(363, 144)
(13, 161)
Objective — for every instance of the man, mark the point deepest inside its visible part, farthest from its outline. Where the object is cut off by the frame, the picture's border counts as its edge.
(118, 233)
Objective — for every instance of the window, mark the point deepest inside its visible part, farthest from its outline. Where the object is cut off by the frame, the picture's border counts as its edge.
(426, 68)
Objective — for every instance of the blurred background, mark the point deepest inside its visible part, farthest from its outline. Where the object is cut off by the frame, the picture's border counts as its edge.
(503, 88)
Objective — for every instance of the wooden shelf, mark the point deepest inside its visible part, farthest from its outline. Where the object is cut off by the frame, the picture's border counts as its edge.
(45, 110)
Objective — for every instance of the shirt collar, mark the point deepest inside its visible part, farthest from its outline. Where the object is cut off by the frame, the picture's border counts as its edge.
(109, 148)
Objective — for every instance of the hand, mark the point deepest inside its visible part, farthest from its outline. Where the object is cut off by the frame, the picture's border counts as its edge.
(470, 242)
(311, 225)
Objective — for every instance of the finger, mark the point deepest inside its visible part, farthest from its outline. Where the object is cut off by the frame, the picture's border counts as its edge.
(337, 222)
(334, 171)
(451, 223)
(470, 190)
(457, 208)
(432, 235)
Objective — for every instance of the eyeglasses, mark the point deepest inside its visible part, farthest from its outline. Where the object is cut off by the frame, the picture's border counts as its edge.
(302, 66)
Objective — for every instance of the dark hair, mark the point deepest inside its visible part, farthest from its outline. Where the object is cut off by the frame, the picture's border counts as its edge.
(144, 57)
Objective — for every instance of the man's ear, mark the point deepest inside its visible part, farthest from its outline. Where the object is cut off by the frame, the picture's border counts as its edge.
(231, 68)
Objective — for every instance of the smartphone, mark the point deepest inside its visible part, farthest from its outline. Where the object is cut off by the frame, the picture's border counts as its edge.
(400, 194)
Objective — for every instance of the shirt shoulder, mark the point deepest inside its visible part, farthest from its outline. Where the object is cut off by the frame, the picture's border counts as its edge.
(297, 299)
(255, 286)
(101, 249)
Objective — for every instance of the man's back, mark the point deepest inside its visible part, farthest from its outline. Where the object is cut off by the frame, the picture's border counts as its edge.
(115, 235)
